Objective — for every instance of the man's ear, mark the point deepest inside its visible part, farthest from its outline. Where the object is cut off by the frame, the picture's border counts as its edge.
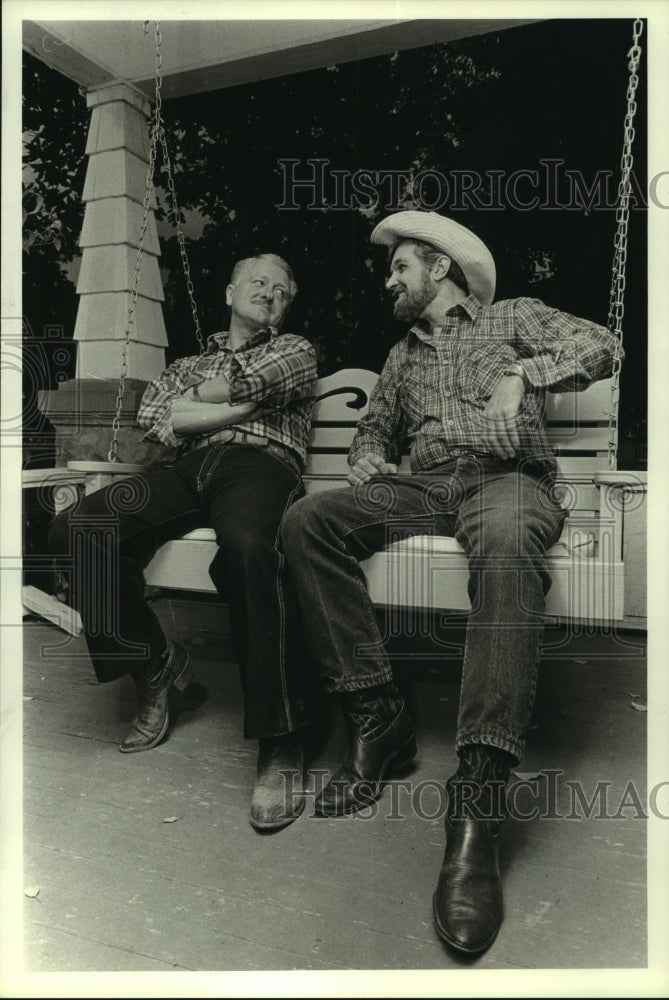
(441, 268)
(228, 294)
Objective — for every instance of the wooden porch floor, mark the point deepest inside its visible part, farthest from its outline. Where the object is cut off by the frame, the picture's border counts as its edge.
(147, 861)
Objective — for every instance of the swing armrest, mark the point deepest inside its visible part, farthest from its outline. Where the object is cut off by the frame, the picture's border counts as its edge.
(634, 481)
(109, 468)
(100, 474)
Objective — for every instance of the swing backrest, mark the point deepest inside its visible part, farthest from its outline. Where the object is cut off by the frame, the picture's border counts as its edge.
(578, 425)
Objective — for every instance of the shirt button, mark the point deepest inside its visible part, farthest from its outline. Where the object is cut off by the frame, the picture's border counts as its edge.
(451, 422)
(447, 393)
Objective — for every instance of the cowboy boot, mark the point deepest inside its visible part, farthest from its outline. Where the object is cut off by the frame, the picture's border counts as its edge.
(380, 741)
(153, 683)
(467, 903)
(278, 794)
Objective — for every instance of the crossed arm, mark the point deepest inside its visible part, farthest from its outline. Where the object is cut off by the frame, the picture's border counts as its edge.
(210, 409)
(173, 405)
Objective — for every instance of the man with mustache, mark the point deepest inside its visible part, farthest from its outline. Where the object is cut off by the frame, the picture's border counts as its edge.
(239, 416)
(465, 392)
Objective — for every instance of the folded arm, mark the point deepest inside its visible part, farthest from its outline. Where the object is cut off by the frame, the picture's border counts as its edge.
(192, 417)
(561, 352)
(257, 383)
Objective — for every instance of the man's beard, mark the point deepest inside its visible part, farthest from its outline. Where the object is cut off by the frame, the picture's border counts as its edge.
(409, 306)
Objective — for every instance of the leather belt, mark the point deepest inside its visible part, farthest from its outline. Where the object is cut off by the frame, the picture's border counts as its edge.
(231, 436)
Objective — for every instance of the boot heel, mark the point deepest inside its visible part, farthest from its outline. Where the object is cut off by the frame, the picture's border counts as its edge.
(185, 675)
(404, 755)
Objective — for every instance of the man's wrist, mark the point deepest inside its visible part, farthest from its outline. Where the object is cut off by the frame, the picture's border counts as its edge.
(516, 368)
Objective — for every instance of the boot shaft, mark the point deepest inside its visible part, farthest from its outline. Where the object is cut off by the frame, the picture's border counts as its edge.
(477, 789)
(371, 710)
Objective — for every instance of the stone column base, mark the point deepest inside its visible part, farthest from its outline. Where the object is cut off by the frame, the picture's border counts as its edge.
(82, 412)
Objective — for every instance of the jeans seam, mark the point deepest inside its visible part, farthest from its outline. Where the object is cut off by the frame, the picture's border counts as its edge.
(281, 602)
(202, 480)
(367, 603)
(492, 737)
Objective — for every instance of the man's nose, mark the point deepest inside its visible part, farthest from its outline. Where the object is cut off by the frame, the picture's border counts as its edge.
(391, 281)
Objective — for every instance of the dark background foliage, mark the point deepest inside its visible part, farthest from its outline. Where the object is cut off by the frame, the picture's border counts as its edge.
(501, 102)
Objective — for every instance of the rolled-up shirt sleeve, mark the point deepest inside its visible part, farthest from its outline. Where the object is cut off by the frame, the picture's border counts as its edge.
(380, 430)
(560, 351)
(155, 409)
(285, 372)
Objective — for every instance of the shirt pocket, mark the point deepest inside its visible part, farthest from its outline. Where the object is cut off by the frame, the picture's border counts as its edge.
(421, 382)
(480, 370)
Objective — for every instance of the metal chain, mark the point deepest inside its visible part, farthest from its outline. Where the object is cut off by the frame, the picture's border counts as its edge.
(157, 133)
(176, 215)
(617, 295)
(132, 307)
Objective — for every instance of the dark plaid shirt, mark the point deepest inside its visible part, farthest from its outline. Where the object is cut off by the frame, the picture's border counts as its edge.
(434, 386)
(276, 370)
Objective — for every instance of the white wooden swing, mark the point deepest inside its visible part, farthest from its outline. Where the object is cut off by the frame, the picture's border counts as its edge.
(430, 572)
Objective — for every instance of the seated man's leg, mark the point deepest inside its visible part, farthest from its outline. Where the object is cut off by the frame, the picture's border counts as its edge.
(101, 546)
(324, 536)
(506, 524)
(246, 496)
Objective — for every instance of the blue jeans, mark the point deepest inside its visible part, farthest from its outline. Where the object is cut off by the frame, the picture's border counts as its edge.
(105, 542)
(504, 519)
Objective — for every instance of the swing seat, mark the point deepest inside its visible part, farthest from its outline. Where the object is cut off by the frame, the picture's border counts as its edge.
(430, 572)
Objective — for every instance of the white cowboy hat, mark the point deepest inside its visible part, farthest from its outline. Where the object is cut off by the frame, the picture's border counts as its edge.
(459, 243)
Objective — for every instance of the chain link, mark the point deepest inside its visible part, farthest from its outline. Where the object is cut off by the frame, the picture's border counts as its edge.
(157, 133)
(176, 214)
(617, 294)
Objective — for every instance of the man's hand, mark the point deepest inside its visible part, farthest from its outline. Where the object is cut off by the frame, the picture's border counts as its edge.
(370, 465)
(500, 432)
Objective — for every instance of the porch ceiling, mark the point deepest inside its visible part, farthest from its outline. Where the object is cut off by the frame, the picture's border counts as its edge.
(208, 55)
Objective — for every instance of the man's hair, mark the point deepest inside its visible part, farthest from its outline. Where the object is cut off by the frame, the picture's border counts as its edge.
(273, 258)
(430, 254)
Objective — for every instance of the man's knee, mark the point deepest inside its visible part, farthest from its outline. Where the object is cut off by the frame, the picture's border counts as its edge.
(510, 533)
(296, 519)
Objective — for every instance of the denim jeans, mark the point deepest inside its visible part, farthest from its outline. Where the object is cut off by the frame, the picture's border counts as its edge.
(105, 542)
(504, 519)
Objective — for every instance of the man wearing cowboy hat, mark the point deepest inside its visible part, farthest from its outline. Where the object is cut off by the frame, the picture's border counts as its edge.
(465, 391)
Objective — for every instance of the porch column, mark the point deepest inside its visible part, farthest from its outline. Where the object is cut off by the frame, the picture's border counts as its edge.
(114, 190)
(82, 409)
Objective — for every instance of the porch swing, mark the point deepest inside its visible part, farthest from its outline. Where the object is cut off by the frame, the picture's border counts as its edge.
(430, 572)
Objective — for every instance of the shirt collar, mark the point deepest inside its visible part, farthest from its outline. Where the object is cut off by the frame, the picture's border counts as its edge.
(219, 341)
(470, 306)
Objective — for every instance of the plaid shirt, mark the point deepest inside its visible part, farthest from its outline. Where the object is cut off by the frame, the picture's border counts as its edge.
(434, 386)
(277, 370)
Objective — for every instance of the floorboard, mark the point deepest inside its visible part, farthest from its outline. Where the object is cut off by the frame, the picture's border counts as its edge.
(147, 862)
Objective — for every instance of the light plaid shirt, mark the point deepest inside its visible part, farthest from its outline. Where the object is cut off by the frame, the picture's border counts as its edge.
(434, 386)
(277, 370)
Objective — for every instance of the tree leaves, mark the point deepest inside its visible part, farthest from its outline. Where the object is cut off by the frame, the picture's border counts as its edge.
(502, 101)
